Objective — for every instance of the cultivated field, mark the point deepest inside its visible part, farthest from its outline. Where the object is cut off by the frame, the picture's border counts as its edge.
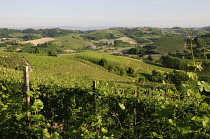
(72, 42)
(127, 39)
(166, 45)
(38, 41)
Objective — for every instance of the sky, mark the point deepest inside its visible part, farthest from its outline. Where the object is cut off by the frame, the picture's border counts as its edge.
(115, 13)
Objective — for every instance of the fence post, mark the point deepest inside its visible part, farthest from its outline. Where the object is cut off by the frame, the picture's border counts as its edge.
(26, 89)
(95, 104)
(134, 115)
(94, 85)
(94, 90)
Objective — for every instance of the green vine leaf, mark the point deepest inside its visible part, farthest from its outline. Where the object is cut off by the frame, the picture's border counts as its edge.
(55, 135)
(122, 106)
(21, 116)
(29, 93)
(204, 86)
(205, 122)
(104, 130)
(38, 105)
(3, 88)
(157, 135)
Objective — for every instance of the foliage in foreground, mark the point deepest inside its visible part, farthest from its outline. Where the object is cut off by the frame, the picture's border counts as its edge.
(105, 112)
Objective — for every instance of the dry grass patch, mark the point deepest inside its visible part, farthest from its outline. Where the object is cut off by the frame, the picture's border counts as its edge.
(39, 41)
(127, 39)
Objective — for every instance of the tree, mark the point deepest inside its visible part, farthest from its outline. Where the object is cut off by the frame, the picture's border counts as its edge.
(174, 62)
(123, 72)
(130, 71)
(156, 76)
(52, 53)
(150, 57)
(118, 43)
(37, 50)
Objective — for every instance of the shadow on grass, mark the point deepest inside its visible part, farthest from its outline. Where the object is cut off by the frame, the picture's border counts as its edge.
(152, 63)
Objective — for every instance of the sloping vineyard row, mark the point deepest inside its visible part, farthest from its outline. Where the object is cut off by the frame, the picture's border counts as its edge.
(12, 61)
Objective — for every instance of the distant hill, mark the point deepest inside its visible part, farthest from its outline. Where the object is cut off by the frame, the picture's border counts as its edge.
(206, 28)
(85, 28)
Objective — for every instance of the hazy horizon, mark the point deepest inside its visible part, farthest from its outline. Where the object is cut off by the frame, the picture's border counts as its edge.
(104, 13)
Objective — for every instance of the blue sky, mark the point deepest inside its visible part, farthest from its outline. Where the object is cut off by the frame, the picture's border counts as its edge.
(125, 13)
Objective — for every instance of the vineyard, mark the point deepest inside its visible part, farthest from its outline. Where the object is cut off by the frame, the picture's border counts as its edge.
(94, 95)
(102, 110)
(74, 107)
(172, 45)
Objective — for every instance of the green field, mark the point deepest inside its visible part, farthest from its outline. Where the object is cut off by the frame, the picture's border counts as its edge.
(166, 45)
(125, 62)
(71, 69)
(72, 42)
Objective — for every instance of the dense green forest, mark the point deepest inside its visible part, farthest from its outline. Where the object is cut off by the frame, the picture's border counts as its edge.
(106, 84)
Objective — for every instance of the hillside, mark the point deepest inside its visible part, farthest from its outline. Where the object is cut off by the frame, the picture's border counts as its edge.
(71, 41)
(166, 45)
(83, 67)
(94, 93)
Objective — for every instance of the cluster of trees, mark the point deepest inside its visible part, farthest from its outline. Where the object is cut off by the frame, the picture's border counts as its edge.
(54, 32)
(137, 50)
(120, 43)
(116, 43)
(148, 49)
(176, 77)
(30, 37)
(115, 68)
(174, 62)
(98, 36)
(199, 49)
(183, 64)
(4, 32)
(137, 34)
(46, 48)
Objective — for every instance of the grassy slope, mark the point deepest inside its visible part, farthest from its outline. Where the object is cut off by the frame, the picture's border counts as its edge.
(69, 66)
(68, 69)
(115, 31)
(125, 62)
(71, 41)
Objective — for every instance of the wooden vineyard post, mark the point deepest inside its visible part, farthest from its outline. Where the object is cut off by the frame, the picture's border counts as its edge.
(134, 115)
(94, 85)
(26, 89)
(94, 90)
(95, 104)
